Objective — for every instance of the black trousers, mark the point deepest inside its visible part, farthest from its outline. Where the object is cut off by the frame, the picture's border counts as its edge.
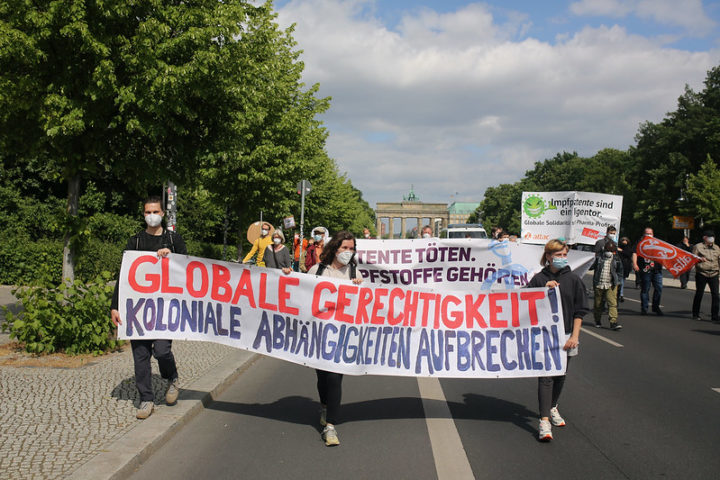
(700, 282)
(143, 351)
(549, 390)
(329, 385)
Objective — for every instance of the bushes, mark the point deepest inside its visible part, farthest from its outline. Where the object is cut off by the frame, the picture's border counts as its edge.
(25, 262)
(71, 318)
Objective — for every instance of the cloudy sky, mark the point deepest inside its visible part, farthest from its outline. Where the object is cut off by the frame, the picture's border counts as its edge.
(454, 96)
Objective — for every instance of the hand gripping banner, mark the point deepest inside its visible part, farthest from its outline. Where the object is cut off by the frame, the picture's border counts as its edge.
(338, 326)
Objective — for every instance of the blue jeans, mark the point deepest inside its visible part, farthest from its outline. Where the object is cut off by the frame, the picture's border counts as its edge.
(621, 292)
(647, 278)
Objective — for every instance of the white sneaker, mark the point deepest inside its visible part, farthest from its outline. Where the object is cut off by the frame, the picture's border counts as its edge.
(329, 434)
(172, 393)
(545, 431)
(145, 410)
(555, 417)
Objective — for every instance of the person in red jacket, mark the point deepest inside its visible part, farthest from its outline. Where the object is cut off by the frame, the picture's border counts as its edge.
(312, 255)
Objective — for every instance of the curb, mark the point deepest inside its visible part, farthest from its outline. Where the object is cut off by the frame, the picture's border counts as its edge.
(123, 455)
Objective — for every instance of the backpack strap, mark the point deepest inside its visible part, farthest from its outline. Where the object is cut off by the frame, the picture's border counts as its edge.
(321, 269)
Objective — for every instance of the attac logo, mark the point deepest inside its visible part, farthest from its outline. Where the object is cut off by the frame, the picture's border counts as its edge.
(654, 249)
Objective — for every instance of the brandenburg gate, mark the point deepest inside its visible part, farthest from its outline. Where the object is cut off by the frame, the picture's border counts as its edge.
(436, 215)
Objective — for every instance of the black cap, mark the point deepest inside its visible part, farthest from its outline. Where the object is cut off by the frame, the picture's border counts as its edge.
(708, 233)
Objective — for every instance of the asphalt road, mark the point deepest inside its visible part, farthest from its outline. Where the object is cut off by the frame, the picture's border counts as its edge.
(640, 407)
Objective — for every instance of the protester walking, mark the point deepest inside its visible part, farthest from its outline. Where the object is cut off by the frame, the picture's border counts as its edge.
(260, 245)
(277, 255)
(706, 273)
(154, 238)
(625, 253)
(685, 277)
(606, 280)
(314, 251)
(557, 273)
(650, 272)
(337, 261)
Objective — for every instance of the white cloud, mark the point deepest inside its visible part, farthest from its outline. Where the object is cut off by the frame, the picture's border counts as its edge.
(688, 14)
(451, 108)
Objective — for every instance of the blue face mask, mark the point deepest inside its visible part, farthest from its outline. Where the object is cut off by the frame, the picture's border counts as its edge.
(613, 237)
(559, 262)
(318, 238)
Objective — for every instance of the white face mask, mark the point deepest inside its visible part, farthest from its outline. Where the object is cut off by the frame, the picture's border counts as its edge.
(426, 235)
(265, 232)
(367, 235)
(345, 257)
(710, 240)
(276, 240)
(648, 234)
(153, 220)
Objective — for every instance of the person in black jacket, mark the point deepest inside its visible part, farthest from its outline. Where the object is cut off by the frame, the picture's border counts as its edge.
(557, 273)
(154, 238)
(625, 253)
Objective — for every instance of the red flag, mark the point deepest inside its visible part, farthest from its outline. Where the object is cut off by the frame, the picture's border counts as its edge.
(676, 260)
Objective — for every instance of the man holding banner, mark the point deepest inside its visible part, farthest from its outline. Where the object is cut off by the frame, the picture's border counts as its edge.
(154, 238)
(650, 272)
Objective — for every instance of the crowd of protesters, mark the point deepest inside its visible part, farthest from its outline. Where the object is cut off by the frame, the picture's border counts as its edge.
(333, 256)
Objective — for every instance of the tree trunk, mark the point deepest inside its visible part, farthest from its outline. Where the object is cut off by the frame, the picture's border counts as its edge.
(68, 267)
(226, 224)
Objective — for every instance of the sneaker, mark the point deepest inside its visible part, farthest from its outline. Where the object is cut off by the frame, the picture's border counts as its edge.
(172, 393)
(323, 416)
(697, 318)
(622, 299)
(598, 325)
(329, 434)
(145, 410)
(555, 417)
(658, 312)
(615, 326)
(545, 431)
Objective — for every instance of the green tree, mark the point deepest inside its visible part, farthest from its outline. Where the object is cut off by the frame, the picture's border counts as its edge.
(677, 146)
(134, 91)
(703, 190)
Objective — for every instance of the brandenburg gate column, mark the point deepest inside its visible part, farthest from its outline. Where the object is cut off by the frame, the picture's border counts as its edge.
(391, 230)
(402, 227)
(378, 222)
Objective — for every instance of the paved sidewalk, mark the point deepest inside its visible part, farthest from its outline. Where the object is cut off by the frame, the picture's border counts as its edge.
(80, 423)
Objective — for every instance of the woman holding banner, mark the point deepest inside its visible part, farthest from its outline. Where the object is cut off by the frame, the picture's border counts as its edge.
(557, 273)
(337, 261)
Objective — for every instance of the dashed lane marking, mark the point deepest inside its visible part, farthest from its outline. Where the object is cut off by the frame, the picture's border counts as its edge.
(600, 337)
(451, 462)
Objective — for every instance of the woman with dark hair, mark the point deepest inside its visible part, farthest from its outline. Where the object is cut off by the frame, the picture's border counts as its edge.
(337, 261)
(557, 273)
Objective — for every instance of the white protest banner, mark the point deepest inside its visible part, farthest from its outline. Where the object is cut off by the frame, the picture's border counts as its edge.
(459, 264)
(338, 326)
(579, 217)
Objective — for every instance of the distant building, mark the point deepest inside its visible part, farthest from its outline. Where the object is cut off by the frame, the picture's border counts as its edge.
(459, 212)
(437, 215)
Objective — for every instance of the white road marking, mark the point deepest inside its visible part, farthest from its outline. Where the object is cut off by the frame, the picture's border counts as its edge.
(607, 340)
(716, 390)
(451, 462)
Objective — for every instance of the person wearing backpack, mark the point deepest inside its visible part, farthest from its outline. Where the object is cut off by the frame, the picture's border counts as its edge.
(154, 238)
(336, 261)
